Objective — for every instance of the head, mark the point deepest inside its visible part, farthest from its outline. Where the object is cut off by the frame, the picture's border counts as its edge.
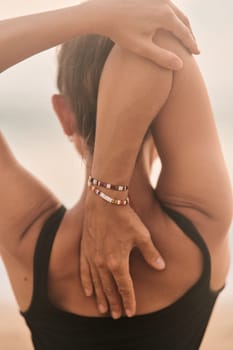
(80, 65)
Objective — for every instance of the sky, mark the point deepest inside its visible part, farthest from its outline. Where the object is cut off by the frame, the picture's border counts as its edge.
(27, 119)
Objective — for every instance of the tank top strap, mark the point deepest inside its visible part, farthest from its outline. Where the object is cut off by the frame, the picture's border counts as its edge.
(191, 231)
(42, 257)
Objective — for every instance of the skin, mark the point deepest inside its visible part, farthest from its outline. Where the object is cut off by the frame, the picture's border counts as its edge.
(17, 249)
(210, 216)
(23, 37)
(139, 22)
(186, 139)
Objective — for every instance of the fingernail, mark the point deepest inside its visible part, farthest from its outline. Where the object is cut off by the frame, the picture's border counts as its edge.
(88, 292)
(196, 48)
(102, 308)
(115, 315)
(129, 313)
(160, 263)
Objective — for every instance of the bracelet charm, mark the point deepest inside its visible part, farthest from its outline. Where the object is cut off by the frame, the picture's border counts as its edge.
(95, 182)
(106, 198)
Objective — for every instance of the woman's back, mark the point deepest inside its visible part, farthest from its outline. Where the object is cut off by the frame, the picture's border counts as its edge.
(174, 299)
(178, 301)
(154, 289)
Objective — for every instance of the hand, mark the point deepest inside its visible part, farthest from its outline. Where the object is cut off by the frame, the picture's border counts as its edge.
(109, 235)
(133, 23)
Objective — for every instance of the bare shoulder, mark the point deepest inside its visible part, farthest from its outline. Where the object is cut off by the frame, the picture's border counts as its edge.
(24, 199)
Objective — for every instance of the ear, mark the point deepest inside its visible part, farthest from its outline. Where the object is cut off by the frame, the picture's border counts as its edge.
(66, 116)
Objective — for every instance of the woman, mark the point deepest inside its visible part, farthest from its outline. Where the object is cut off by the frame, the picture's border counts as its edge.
(46, 284)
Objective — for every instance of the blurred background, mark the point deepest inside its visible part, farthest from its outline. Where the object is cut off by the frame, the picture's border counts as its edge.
(29, 124)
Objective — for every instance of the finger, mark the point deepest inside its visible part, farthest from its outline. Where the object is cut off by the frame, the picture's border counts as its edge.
(125, 287)
(85, 275)
(175, 25)
(111, 292)
(181, 15)
(149, 252)
(100, 297)
(183, 18)
(158, 55)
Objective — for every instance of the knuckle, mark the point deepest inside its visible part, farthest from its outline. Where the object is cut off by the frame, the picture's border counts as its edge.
(96, 283)
(100, 299)
(84, 270)
(109, 290)
(186, 20)
(125, 292)
(186, 31)
(85, 275)
(99, 261)
(113, 264)
(99, 293)
(114, 304)
(164, 10)
(145, 239)
(168, 13)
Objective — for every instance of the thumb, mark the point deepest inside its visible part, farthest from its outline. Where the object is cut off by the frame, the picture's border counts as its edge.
(150, 253)
(160, 56)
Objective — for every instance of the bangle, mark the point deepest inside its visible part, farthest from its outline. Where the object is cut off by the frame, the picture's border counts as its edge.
(118, 202)
(95, 182)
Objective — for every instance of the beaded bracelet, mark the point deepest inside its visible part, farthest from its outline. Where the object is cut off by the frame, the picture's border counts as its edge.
(95, 182)
(118, 202)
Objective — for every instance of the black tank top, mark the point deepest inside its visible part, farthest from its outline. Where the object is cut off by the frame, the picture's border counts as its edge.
(179, 326)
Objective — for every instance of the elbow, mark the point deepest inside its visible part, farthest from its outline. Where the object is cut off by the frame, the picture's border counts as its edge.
(228, 217)
(225, 210)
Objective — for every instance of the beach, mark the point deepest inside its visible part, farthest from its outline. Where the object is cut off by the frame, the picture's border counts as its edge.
(219, 336)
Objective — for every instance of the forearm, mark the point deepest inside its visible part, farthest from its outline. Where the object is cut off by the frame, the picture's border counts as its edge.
(128, 101)
(26, 36)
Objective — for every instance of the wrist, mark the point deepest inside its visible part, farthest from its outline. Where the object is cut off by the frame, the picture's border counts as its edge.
(115, 168)
(115, 194)
(93, 18)
(118, 180)
(112, 194)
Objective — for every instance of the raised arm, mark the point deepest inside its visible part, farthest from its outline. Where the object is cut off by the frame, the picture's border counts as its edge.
(132, 91)
(25, 36)
(132, 94)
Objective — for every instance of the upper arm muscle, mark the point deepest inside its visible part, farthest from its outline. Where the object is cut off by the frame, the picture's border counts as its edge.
(22, 198)
(193, 168)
